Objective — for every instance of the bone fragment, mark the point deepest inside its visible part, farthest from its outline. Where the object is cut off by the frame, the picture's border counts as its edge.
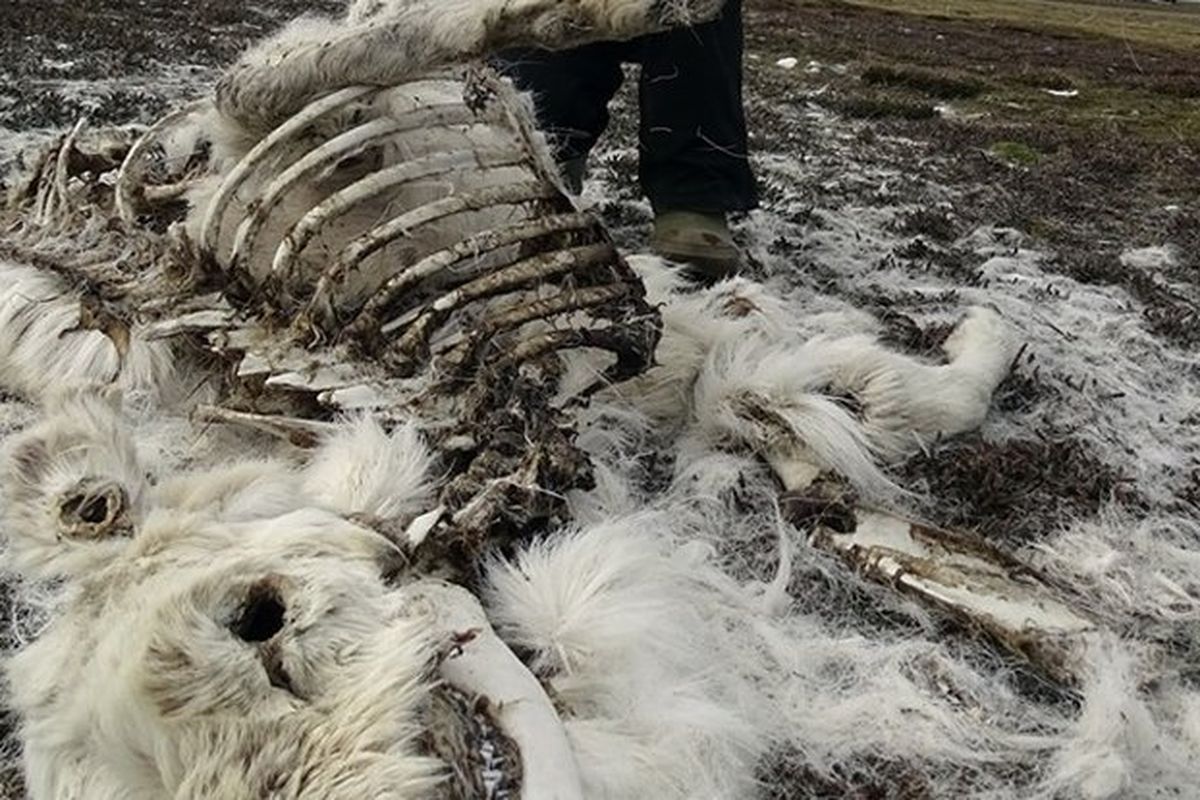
(530, 271)
(321, 306)
(971, 581)
(328, 155)
(437, 263)
(482, 666)
(564, 302)
(129, 188)
(303, 433)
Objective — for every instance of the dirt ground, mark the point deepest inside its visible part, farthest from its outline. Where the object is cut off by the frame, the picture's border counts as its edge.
(1118, 163)
(1085, 176)
(1088, 144)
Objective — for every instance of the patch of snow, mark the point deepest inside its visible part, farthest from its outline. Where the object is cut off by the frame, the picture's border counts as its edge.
(58, 66)
(1151, 258)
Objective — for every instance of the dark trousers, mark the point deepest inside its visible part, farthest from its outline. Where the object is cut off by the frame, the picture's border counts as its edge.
(693, 128)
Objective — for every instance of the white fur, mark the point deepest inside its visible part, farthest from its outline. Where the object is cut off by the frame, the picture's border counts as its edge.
(139, 687)
(363, 469)
(629, 629)
(42, 347)
(140, 690)
(385, 43)
(1116, 739)
(86, 443)
(83, 445)
(677, 684)
(729, 360)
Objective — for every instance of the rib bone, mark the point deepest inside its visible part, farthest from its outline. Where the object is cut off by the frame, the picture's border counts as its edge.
(129, 187)
(321, 307)
(524, 273)
(211, 226)
(563, 302)
(329, 154)
(472, 247)
(53, 201)
(375, 184)
(302, 433)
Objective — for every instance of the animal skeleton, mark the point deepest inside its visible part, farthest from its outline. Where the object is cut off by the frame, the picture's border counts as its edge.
(347, 228)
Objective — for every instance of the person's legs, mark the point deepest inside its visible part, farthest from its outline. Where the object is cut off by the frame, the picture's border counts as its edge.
(693, 127)
(571, 90)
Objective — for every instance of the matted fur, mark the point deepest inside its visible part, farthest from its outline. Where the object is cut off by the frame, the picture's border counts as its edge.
(384, 42)
(729, 361)
(80, 451)
(140, 689)
(144, 647)
(644, 653)
(153, 641)
(44, 346)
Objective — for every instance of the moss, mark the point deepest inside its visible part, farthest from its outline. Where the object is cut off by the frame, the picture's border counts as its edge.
(1157, 26)
(1045, 79)
(1143, 112)
(1016, 153)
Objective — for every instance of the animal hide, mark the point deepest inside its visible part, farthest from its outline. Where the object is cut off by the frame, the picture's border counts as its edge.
(376, 263)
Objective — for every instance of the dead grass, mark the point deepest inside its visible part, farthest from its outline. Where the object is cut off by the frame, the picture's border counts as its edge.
(1151, 113)
(879, 106)
(1076, 139)
(1174, 27)
(935, 83)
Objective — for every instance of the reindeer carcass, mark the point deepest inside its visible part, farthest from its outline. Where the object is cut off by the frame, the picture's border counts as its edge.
(362, 221)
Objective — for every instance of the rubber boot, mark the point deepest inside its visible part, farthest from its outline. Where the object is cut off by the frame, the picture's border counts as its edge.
(701, 241)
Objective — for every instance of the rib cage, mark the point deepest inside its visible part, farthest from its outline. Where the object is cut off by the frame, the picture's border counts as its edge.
(404, 250)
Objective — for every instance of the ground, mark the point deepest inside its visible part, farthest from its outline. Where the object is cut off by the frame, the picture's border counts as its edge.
(1085, 144)
(914, 158)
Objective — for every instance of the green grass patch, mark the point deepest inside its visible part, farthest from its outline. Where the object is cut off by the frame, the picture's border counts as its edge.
(1016, 153)
(1175, 26)
(1112, 109)
(939, 84)
(1058, 81)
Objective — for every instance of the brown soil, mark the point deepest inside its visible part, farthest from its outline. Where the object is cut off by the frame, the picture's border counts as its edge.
(44, 43)
(1120, 166)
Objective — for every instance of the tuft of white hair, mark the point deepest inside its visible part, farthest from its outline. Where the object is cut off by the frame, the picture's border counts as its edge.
(364, 469)
(1116, 742)
(73, 486)
(44, 347)
(848, 404)
(631, 628)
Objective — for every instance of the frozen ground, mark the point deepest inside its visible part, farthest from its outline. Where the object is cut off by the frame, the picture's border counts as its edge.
(1085, 233)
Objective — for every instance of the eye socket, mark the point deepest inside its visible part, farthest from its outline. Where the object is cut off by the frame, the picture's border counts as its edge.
(94, 509)
(261, 615)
